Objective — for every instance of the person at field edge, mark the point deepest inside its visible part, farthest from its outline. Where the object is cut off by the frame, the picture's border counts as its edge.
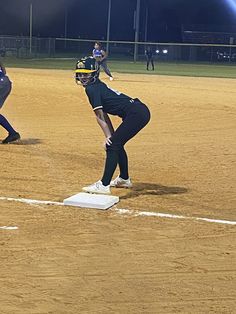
(149, 56)
(5, 89)
(101, 57)
(104, 101)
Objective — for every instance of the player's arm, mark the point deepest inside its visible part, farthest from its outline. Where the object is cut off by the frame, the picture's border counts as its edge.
(104, 55)
(2, 68)
(108, 121)
(105, 124)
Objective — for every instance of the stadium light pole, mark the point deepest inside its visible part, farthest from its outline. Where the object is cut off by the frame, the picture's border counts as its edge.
(31, 28)
(137, 17)
(108, 25)
(146, 24)
(65, 25)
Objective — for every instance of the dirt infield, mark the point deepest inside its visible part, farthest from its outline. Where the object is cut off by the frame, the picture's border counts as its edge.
(67, 260)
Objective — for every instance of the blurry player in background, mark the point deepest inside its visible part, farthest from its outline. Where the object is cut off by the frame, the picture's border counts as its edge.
(5, 89)
(149, 57)
(101, 57)
(104, 100)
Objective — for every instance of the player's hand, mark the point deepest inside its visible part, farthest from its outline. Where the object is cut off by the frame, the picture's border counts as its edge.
(107, 142)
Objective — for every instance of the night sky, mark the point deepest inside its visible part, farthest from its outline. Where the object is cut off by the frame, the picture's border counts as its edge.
(88, 18)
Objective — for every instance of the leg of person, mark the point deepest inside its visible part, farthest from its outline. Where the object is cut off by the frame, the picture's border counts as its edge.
(103, 186)
(123, 164)
(148, 61)
(152, 64)
(106, 69)
(6, 125)
(136, 119)
(5, 90)
(112, 158)
(123, 180)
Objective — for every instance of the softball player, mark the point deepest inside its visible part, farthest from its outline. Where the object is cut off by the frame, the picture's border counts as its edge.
(149, 57)
(101, 57)
(104, 101)
(5, 89)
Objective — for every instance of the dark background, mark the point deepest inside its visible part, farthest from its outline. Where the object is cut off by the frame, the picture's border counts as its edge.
(88, 18)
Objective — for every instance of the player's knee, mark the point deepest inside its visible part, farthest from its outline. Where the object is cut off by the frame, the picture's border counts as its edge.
(115, 146)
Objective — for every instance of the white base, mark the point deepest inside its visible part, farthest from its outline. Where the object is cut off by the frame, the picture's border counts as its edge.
(87, 200)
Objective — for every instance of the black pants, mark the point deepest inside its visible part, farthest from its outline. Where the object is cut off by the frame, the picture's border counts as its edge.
(136, 119)
(5, 89)
(150, 60)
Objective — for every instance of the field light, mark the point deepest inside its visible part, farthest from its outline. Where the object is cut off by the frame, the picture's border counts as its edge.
(232, 4)
(165, 51)
(157, 51)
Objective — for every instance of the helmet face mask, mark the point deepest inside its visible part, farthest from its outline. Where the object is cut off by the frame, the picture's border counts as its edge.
(87, 71)
(85, 78)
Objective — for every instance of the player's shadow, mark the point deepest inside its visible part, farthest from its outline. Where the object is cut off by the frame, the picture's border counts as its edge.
(153, 189)
(28, 141)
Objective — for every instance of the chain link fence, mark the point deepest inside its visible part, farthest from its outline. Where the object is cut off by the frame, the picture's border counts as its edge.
(171, 52)
(23, 47)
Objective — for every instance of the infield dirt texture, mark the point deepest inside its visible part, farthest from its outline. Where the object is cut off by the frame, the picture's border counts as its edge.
(67, 260)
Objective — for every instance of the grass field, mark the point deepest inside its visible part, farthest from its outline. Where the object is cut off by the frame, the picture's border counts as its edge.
(164, 68)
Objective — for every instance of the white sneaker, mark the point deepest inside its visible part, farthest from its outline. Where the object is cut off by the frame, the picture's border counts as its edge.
(111, 78)
(97, 188)
(121, 183)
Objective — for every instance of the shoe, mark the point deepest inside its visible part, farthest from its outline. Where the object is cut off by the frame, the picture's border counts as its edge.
(11, 138)
(121, 183)
(97, 188)
(111, 78)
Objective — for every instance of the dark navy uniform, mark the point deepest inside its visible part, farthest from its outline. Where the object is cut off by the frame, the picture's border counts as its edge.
(149, 57)
(135, 116)
(109, 100)
(5, 85)
(5, 89)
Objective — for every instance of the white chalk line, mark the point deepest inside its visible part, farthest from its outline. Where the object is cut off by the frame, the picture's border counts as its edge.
(128, 212)
(135, 213)
(8, 228)
(29, 201)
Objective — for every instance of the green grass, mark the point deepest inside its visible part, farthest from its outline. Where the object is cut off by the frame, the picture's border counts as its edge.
(162, 68)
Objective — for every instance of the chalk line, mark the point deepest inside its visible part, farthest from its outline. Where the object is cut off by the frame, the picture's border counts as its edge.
(120, 211)
(8, 228)
(136, 213)
(30, 201)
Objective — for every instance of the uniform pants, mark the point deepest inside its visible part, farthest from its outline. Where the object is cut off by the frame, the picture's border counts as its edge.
(103, 64)
(5, 89)
(137, 117)
(150, 60)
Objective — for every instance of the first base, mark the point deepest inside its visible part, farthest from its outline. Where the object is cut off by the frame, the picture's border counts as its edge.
(87, 200)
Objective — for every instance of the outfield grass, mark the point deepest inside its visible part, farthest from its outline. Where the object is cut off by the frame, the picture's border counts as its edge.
(163, 68)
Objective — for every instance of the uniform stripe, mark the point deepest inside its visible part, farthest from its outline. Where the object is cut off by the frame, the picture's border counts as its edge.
(99, 107)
